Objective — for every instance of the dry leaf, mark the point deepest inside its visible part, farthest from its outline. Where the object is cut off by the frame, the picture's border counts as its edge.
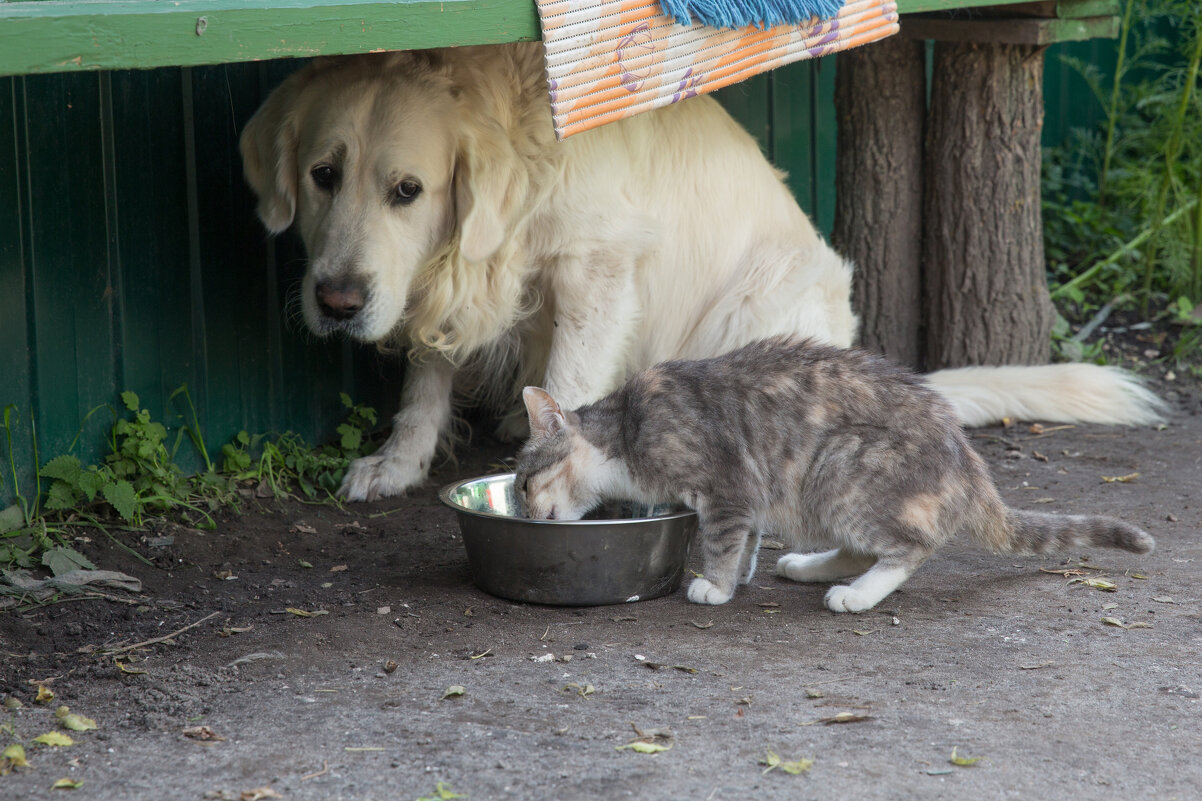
(301, 527)
(67, 784)
(131, 671)
(69, 720)
(704, 625)
(14, 757)
(54, 738)
(963, 762)
(1096, 583)
(845, 717)
(337, 568)
(1120, 479)
(453, 691)
(258, 794)
(795, 768)
(644, 748)
(583, 690)
(45, 694)
(303, 613)
(202, 733)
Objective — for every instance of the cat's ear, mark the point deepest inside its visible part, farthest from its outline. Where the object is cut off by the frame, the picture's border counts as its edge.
(546, 418)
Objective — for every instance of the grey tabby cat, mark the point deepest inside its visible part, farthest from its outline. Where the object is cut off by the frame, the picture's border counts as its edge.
(820, 446)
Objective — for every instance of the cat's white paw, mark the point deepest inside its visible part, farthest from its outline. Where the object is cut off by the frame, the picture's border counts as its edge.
(842, 598)
(798, 566)
(702, 591)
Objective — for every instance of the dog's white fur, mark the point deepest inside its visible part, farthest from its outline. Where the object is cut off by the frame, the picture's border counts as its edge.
(667, 235)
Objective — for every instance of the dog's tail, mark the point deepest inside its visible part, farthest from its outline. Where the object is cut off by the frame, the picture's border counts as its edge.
(1054, 393)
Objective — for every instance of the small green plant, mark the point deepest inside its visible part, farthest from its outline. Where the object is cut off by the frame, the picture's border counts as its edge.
(140, 478)
(286, 460)
(1123, 203)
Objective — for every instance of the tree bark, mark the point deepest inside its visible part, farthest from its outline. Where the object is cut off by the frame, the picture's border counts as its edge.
(880, 104)
(986, 290)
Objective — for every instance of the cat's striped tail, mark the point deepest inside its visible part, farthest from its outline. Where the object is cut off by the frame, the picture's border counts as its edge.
(1040, 532)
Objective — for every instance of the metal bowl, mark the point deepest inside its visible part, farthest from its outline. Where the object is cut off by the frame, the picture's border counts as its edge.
(620, 553)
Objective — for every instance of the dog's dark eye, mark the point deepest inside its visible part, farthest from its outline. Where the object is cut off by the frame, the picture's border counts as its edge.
(324, 176)
(406, 192)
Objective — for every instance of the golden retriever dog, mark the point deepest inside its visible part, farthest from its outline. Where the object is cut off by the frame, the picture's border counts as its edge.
(440, 215)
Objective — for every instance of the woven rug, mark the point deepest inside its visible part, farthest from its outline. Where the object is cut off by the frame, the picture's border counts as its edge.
(609, 59)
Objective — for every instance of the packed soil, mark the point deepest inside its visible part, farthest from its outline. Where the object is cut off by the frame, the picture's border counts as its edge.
(309, 652)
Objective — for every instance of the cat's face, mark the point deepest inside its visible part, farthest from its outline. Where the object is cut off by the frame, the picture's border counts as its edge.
(556, 469)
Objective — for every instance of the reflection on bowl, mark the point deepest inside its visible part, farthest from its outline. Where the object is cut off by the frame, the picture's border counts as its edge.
(622, 552)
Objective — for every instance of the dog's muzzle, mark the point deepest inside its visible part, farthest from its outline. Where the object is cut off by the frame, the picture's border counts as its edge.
(340, 300)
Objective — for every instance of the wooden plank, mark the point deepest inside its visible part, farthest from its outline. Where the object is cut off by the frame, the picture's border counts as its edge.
(54, 36)
(60, 36)
(1026, 31)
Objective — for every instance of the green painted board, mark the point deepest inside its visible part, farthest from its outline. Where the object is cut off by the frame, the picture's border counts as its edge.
(56, 35)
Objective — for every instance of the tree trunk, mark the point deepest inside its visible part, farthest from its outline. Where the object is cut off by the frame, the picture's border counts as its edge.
(880, 104)
(986, 289)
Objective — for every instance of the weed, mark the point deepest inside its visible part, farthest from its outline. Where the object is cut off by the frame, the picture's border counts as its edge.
(140, 479)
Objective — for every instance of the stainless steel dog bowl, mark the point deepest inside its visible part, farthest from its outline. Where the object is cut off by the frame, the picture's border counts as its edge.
(634, 553)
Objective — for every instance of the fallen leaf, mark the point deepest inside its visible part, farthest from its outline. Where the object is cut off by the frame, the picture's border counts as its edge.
(795, 768)
(337, 568)
(15, 756)
(131, 671)
(1120, 479)
(258, 794)
(1164, 599)
(390, 666)
(45, 695)
(583, 690)
(644, 748)
(864, 633)
(845, 717)
(482, 654)
(301, 527)
(1039, 457)
(303, 563)
(202, 733)
(67, 784)
(1096, 583)
(303, 613)
(442, 792)
(1040, 666)
(1113, 621)
(704, 625)
(963, 762)
(54, 739)
(814, 693)
(12, 703)
(769, 604)
(453, 691)
(69, 720)
(224, 575)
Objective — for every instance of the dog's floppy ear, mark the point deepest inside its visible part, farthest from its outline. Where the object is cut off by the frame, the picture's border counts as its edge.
(489, 186)
(268, 146)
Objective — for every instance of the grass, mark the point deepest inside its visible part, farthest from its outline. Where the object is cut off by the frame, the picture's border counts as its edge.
(140, 479)
(1123, 202)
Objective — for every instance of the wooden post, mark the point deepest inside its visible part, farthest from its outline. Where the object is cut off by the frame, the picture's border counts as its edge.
(986, 291)
(880, 103)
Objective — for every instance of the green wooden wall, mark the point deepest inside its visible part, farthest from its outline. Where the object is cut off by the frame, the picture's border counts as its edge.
(130, 256)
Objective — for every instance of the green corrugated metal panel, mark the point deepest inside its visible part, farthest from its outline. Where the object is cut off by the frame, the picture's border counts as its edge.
(130, 258)
(1068, 101)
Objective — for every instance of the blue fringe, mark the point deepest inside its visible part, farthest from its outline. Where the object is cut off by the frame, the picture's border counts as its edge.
(741, 13)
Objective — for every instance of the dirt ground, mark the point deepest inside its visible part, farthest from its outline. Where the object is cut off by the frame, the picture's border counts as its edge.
(1007, 659)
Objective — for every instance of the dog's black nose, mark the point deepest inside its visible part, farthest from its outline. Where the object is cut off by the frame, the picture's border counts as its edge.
(340, 299)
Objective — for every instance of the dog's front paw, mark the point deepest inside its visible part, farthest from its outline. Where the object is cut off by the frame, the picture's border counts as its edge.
(702, 591)
(381, 475)
(842, 598)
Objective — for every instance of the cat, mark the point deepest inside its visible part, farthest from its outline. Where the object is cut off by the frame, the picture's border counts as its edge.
(818, 445)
